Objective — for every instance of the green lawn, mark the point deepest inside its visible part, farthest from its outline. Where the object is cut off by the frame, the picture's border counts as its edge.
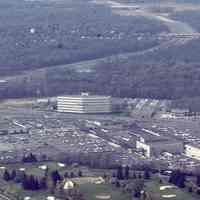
(34, 169)
(30, 168)
(16, 190)
(91, 190)
(154, 187)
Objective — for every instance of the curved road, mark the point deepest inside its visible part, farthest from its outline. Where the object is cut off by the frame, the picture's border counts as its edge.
(176, 27)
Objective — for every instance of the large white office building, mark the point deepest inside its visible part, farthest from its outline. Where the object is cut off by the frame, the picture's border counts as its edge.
(84, 103)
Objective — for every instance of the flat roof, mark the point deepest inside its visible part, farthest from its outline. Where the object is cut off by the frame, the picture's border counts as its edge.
(149, 138)
(84, 96)
(194, 144)
(152, 138)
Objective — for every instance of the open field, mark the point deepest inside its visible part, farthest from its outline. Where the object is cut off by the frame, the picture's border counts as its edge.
(89, 190)
(154, 188)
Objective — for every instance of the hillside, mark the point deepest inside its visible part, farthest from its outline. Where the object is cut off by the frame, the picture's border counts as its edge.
(37, 34)
(55, 47)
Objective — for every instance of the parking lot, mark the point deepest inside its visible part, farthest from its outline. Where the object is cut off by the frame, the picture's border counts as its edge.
(57, 136)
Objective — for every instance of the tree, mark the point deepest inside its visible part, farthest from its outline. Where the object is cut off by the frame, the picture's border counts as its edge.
(117, 184)
(29, 158)
(198, 180)
(113, 174)
(147, 174)
(139, 176)
(177, 178)
(127, 172)
(80, 174)
(13, 174)
(105, 176)
(46, 171)
(25, 182)
(71, 174)
(6, 175)
(120, 173)
(31, 182)
(36, 184)
(43, 183)
(190, 189)
(60, 45)
(136, 193)
(181, 181)
(137, 187)
(174, 176)
(134, 175)
(66, 175)
(55, 177)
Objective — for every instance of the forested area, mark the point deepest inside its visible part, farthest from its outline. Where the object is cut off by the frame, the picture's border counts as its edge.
(120, 79)
(42, 34)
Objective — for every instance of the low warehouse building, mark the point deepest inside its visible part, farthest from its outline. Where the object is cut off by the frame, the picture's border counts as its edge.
(155, 145)
(193, 151)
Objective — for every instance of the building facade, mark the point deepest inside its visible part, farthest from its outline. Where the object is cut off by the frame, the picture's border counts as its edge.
(84, 103)
(192, 151)
(155, 146)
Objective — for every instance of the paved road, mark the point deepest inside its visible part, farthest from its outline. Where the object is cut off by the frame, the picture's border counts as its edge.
(174, 26)
(3, 197)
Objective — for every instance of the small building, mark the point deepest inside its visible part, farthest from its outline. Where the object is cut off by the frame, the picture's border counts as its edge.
(180, 112)
(68, 185)
(84, 103)
(193, 151)
(153, 145)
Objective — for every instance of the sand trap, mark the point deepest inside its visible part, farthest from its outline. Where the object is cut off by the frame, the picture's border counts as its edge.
(51, 198)
(61, 164)
(169, 196)
(100, 180)
(43, 167)
(167, 187)
(103, 196)
(27, 198)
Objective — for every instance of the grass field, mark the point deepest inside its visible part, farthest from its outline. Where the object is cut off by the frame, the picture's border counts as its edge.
(88, 189)
(16, 189)
(35, 169)
(91, 190)
(154, 188)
